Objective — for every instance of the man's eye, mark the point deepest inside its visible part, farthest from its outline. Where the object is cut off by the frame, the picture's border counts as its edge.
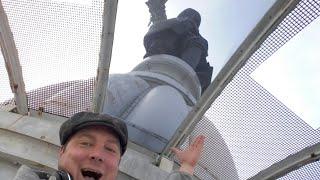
(87, 144)
(110, 149)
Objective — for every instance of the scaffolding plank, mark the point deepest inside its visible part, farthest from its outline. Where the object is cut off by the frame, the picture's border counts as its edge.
(107, 36)
(11, 58)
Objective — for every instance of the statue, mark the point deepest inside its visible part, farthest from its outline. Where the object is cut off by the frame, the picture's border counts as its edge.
(180, 37)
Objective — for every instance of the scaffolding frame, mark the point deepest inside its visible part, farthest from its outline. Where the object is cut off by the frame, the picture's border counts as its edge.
(11, 58)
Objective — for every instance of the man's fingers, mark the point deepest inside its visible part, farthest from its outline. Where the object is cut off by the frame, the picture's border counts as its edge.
(199, 141)
(175, 150)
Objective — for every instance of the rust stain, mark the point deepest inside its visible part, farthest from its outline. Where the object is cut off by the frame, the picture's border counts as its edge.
(15, 86)
(41, 109)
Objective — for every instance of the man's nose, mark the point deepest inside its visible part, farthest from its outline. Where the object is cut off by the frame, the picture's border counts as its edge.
(97, 156)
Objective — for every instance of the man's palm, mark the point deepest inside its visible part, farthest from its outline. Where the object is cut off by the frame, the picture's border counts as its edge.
(190, 155)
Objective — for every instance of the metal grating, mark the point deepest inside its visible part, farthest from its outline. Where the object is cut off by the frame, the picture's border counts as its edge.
(5, 91)
(57, 40)
(299, 18)
(309, 171)
(258, 129)
(216, 159)
(63, 99)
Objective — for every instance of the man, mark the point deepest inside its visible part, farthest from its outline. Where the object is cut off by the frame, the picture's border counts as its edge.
(180, 37)
(92, 145)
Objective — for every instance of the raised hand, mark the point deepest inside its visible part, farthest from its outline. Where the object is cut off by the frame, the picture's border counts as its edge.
(190, 156)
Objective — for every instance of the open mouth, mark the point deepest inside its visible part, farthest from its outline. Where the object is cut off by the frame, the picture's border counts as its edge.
(90, 174)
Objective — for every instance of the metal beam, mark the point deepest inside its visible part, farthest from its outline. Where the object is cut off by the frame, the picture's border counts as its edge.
(295, 161)
(43, 128)
(24, 149)
(265, 27)
(107, 36)
(11, 58)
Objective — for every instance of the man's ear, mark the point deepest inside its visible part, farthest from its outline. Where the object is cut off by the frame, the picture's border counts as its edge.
(62, 150)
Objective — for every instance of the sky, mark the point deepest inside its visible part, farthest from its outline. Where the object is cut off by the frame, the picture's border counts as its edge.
(292, 74)
(44, 35)
(225, 25)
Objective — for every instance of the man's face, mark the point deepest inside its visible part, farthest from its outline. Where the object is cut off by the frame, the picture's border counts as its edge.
(92, 153)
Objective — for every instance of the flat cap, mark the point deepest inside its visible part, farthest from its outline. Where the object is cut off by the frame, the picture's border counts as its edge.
(82, 120)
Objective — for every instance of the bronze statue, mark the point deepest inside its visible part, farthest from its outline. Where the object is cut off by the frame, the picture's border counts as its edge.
(180, 37)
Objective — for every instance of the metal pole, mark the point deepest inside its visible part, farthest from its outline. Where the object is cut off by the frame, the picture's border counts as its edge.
(11, 58)
(107, 36)
(295, 161)
(267, 24)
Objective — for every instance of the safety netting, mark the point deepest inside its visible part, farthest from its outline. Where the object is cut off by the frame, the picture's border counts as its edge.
(258, 129)
(58, 44)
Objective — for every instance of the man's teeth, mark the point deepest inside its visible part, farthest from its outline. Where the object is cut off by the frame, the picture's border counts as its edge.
(88, 178)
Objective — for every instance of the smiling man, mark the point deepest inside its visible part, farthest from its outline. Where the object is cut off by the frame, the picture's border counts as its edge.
(92, 145)
(92, 152)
